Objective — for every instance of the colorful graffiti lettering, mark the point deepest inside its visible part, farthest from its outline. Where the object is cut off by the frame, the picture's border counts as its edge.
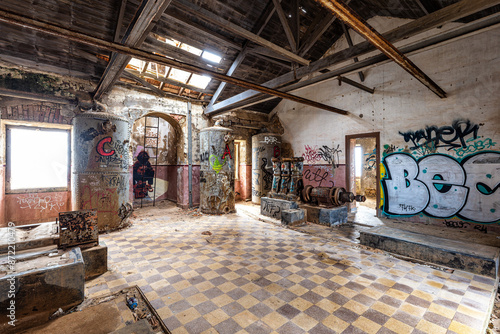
(105, 152)
(371, 160)
(311, 154)
(215, 163)
(440, 186)
(474, 145)
(276, 151)
(226, 152)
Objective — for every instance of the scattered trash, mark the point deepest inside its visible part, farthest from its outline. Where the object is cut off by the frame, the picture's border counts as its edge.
(57, 314)
(53, 254)
(132, 303)
(206, 233)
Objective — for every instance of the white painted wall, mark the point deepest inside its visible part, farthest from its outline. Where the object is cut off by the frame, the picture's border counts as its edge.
(468, 70)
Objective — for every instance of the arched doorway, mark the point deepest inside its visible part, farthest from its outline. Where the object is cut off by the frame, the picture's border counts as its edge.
(154, 143)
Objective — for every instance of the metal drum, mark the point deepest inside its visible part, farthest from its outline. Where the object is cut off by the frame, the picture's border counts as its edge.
(265, 146)
(217, 170)
(100, 162)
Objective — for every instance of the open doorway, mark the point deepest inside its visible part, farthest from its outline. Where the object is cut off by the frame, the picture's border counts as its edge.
(363, 169)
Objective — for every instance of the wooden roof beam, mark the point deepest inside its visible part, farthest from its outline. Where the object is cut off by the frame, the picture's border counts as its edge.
(235, 29)
(435, 19)
(147, 15)
(347, 15)
(286, 27)
(470, 29)
(128, 75)
(78, 37)
(349, 42)
(257, 29)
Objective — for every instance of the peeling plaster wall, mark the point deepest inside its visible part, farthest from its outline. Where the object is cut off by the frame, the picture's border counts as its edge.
(129, 103)
(467, 69)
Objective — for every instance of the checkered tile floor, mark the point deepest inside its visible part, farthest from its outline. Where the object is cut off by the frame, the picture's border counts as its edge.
(254, 277)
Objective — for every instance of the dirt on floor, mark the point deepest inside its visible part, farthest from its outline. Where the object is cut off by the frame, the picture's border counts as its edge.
(364, 218)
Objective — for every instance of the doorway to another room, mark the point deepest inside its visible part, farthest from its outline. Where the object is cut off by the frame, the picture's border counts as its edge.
(363, 170)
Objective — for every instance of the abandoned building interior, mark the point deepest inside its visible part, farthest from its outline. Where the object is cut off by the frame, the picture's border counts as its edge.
(264, 166)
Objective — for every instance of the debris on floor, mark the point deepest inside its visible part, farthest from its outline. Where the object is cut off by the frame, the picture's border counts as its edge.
(206, 233)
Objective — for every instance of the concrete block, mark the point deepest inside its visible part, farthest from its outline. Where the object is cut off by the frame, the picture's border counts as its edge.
(95, 260)
(333, 216)
(273, 207)
(43, 284)
(474, 258)
(325, 216)
(293, 217)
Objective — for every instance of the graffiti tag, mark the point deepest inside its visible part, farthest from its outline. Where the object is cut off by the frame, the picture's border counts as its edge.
(440, 186)
(41, 202)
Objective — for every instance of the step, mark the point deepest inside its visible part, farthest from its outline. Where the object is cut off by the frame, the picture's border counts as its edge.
(475, 258)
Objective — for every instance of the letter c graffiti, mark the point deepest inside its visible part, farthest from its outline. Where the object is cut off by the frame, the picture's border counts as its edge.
(100, 147)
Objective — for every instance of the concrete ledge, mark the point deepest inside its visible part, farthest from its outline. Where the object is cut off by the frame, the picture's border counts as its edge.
(95, 260)
(273, 207)
(43, 284)
(474, 258)
(325, 216)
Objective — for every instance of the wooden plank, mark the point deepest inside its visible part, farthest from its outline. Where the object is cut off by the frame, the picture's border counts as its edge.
(229, 26)
(286, 27)
(147, 56)
(146, 17)
(450, 13)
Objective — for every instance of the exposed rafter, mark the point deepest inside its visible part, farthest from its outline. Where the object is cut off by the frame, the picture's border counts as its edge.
(229, 26)
(286, 27)
(143, 82)
(148, 13)
(357, 23)
(481, 25)
(450, 13)
(165, 80)
(257, 29)
(51, 29)
(349, 42)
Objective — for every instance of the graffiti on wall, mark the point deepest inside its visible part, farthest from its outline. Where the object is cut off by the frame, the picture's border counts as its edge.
(271, 140)
(314, 154)
(441, 186)
(450, 136)
(370, 160)
(319, 177)
(112, 153)
(41, 202)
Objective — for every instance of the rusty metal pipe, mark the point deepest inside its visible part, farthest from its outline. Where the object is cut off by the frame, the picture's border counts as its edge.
(357, 23)
(78, 37)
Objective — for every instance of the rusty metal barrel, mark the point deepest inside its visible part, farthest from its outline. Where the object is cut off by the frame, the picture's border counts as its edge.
(327, 196)
(265, 146)
(100, 163)
(217, 170)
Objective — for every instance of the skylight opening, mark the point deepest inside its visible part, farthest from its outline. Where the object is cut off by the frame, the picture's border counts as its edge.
(137, 63)
(179, 75)
(191, 49)
(199, 81)
(211, 57)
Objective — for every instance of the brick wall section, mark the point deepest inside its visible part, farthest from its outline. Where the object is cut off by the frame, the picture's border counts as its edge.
(35, 112)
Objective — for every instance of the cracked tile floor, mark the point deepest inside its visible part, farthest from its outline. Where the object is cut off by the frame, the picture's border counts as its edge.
(250, 276)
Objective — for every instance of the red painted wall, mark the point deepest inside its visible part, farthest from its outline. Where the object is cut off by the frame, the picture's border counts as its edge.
(322, 176)
(30, 208)
(243, 185)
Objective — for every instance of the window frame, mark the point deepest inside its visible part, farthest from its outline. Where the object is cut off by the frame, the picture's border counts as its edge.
(7, 126)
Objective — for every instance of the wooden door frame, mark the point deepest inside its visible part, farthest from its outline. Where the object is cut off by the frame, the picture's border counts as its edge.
(348, 139)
